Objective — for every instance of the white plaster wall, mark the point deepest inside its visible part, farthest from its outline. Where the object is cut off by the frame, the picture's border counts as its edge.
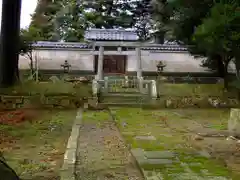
(84, 60)
(52, 59)
(175, 62)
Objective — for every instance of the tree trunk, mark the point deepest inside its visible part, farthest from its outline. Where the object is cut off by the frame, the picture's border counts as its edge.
(226, 63)
(237, 65)
(220, 67)
(31, 63)
(9, 43)
(225, 78)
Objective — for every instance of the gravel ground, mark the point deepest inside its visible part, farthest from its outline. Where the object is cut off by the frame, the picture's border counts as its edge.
(102, 154)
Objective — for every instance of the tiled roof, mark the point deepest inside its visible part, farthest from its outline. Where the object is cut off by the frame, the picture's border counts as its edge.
(111, 35)
(68, 45)
(165, 47)
(61, 45)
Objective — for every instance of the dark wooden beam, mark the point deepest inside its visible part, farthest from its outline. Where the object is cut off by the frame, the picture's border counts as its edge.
(9, 42)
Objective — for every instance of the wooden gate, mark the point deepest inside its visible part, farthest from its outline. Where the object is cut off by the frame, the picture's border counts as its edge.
(112, 64)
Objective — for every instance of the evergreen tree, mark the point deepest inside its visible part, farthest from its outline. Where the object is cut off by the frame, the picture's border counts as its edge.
(43, 18)
(211, 27)
(67, 20)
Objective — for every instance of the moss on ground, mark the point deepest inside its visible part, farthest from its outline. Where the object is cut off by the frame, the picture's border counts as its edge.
(170, 128)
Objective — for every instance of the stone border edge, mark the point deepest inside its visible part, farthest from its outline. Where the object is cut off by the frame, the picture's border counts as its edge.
(114, 118)
(67, 171)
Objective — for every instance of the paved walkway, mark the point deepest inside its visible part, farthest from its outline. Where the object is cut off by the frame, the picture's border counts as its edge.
(102, 154)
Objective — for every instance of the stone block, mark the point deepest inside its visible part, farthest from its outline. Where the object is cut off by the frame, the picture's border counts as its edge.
(138, 152)
(19, 100)
(8, 105)
(52, 100)
(65, 102)
(159, 161)
(234, 122)
(169, 103)
(153, 175)
(14, 105)
(159, 154)
(26, 102)
(142, 160)
(54, 79)
(146, 138)
(70, 156)
(67, 173)
(8, 98)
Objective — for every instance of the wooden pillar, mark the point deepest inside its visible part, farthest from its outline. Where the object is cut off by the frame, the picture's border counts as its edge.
(139, 62)
(100, 63)
(9, 42)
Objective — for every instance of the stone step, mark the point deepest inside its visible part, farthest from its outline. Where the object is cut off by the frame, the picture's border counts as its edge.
(124, 95)
(122, 104)
(125, 98)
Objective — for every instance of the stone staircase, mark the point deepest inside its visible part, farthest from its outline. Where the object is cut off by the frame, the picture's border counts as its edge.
(125, 99)
(128, 96)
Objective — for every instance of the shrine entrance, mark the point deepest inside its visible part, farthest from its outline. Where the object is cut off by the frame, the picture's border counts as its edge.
(112, 64)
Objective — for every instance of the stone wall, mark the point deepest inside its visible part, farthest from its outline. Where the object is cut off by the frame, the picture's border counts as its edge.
(53, 101)
(196, 102)
(68, 102)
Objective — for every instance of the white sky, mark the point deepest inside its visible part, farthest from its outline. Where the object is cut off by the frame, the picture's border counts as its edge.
(28, 7)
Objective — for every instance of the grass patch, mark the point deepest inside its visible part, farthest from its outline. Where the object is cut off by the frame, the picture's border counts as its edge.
(35, 148)
(45, 88)
(198, 164)
(96, 115)
(170, 128)
(194, 89)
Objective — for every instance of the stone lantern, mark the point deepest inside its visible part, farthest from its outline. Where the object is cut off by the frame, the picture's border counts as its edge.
(66, 66)
(160, 67)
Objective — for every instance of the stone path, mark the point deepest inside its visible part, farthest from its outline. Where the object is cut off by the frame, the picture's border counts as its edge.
(102, 154)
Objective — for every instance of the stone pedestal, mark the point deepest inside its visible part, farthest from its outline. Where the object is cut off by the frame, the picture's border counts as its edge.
(154, 89)
(234, 123)
(139, 63)
(100, 63)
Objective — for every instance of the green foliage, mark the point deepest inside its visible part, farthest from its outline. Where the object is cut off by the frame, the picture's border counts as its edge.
(211, 27)
(162, 12)
(27, 38)
(67, 20)
(217, 33)
(43, 19)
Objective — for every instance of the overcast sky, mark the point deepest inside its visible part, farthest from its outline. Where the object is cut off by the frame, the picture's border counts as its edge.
(28, 7)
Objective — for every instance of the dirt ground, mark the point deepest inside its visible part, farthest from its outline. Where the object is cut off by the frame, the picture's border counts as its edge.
(102, 154)
(219, 145)
(33, 142)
